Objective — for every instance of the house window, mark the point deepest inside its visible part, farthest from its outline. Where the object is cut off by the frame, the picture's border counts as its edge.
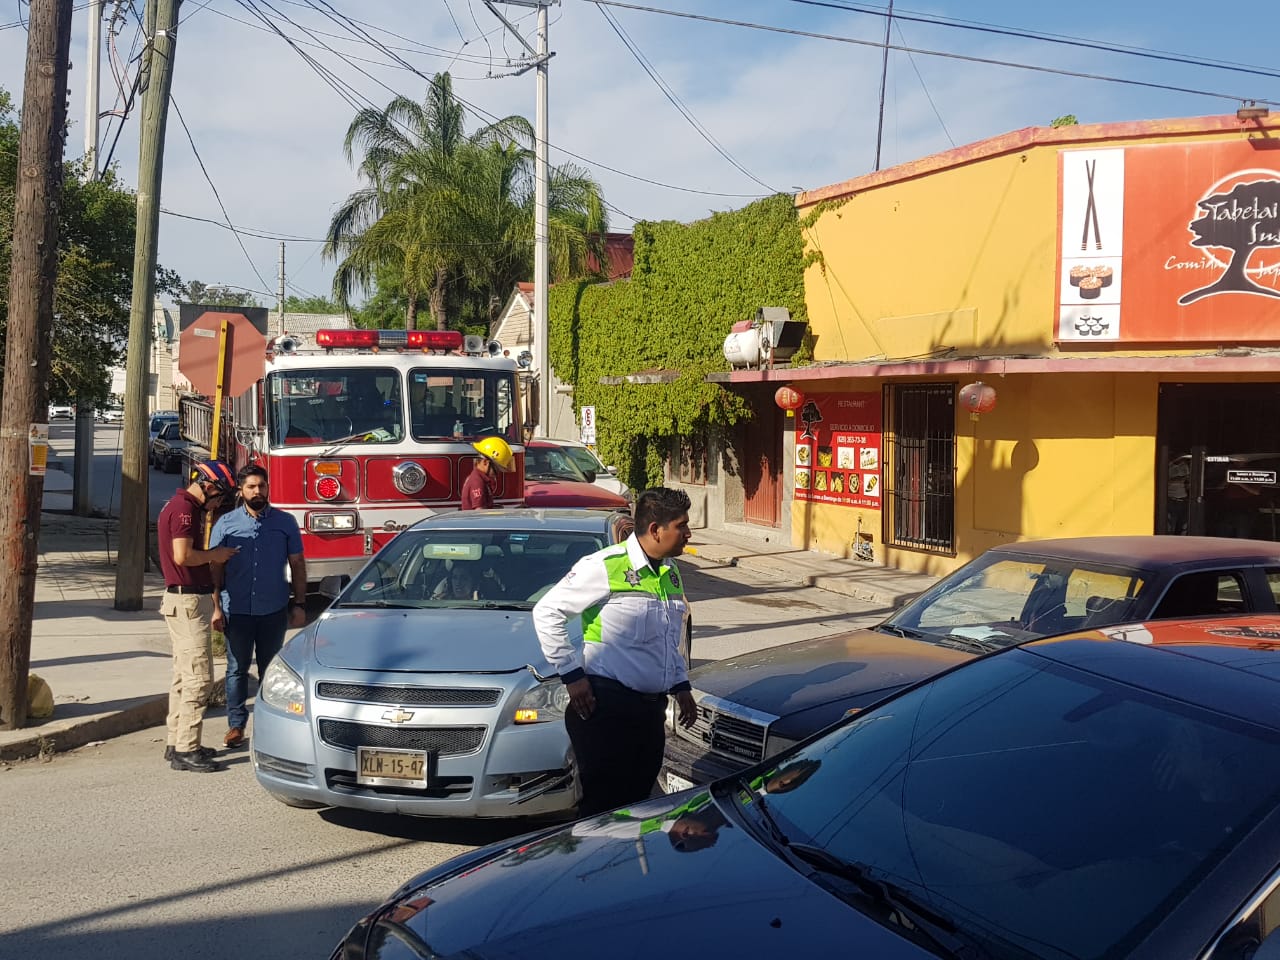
(689, 454)
(919, 465)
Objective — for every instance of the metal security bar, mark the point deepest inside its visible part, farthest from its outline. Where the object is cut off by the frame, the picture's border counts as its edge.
(920, 460)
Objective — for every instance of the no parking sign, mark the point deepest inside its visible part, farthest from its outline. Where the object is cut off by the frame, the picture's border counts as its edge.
(589, 425)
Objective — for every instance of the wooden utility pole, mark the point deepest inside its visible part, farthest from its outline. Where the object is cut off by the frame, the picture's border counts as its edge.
(161, 21)
(28, 348)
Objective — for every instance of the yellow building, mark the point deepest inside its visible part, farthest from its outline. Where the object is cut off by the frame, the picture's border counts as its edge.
(1117, 286)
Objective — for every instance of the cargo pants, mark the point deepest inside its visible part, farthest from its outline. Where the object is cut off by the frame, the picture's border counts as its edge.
(187, 617)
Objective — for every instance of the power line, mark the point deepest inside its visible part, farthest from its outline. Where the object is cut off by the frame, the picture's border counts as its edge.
(216, 196)
(671, 95)
(789, 31)
(1064, 39)
(923, 86)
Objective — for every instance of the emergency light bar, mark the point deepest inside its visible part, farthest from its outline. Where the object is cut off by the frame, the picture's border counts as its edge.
(390, 339)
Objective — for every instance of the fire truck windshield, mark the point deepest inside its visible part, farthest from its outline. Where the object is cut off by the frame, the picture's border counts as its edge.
(335, 404)
(462, 403)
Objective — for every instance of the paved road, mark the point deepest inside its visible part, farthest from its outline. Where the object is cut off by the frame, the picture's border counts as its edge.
(104, 483)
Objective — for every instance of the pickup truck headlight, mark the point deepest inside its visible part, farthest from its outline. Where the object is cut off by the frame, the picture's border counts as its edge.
(547, 701)
(282, 688)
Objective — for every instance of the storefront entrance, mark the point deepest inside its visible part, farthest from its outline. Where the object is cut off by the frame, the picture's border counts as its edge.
(1218, 460)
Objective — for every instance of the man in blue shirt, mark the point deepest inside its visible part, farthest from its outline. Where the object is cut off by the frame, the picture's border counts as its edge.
(251, 599)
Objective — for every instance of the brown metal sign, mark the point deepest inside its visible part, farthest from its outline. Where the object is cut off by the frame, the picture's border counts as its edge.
(198, 353)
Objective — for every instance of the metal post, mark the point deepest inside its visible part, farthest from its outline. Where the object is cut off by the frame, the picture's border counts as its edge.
(91, 100)
(161, 21)
(33, 269)
(280, 295)
(541, 276)
(884, 77)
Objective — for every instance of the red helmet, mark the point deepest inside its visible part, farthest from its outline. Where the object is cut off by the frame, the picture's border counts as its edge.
(214, 472)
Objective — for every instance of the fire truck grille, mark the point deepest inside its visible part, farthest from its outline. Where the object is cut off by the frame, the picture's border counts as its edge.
(410, 696)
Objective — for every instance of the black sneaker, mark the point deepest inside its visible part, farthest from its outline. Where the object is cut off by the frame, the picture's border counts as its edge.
(207, 752)
(193, 761)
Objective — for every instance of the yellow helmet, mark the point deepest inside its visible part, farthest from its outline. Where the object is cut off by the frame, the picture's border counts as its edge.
(498, 453)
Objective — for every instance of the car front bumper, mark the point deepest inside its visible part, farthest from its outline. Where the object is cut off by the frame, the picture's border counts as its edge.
(517, 771)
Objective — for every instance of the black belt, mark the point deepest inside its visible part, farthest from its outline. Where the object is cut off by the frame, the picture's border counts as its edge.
(202, 591)
(611, 684)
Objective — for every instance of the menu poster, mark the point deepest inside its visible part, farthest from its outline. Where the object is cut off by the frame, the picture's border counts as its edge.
(838, 441)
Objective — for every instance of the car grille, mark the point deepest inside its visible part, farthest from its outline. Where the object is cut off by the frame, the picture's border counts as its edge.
(410, 696)
(724, 733)
(442, 741)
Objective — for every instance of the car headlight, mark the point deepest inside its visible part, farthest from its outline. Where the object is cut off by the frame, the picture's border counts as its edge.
(547, 701)
(282, 688)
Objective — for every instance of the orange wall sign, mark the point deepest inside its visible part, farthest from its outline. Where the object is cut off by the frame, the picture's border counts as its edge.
(1169, 243)
(838, 449)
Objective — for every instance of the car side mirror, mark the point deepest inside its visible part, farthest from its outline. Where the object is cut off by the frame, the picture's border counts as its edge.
(612, 471)
(590, 475)
(333, 585)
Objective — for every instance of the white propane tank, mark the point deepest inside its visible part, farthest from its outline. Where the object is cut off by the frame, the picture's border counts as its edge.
(742, 348)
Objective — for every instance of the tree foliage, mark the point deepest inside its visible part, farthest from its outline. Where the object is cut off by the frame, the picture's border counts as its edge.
(446, 217)
(194, 291)
(294, 304)
(95, 272)
(689, 284)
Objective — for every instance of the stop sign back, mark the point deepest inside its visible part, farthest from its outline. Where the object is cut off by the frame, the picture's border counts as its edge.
(246, 353)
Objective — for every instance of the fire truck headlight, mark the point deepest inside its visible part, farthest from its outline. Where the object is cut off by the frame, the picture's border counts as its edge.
(409, 477)
(330, 522)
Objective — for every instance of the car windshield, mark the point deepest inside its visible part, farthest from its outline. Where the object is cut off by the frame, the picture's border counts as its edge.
(452, 403)
(1033, 809)
(468, 568)
(998, 600)
(159, 423)
(550, 463)
(583, 459)
(336, 405)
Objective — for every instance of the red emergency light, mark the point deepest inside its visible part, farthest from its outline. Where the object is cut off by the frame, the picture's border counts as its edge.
(389, 339)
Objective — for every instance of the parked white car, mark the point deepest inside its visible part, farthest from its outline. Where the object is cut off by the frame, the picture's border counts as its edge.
(61, 411)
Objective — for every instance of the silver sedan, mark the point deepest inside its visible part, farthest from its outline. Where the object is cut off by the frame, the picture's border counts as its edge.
(422, 689)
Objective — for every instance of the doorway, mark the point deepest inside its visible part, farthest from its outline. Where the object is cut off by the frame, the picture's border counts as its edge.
(762, 466)
(1218, 460)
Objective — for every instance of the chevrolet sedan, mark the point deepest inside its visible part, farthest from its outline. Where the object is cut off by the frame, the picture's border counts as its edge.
(752, 706)
(1109, 795)
(422, 689)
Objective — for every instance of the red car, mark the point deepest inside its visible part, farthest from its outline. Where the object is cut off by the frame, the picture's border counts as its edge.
(552, 479)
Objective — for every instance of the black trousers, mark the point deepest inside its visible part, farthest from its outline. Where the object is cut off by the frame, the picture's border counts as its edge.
(619, 748)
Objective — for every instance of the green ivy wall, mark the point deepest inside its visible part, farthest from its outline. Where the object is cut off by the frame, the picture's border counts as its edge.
(689, 285)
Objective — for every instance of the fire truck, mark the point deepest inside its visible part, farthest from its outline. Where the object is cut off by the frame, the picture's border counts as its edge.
(365, 432)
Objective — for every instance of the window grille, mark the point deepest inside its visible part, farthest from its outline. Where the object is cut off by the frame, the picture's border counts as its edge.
(920, 458)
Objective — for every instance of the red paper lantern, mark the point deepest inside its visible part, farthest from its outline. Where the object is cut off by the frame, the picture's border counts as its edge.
(789, 398)
(978, 397)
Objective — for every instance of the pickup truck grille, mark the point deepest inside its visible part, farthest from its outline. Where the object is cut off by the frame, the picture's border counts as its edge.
(722, 732)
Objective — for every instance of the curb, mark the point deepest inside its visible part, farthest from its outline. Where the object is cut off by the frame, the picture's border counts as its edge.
(149, 712)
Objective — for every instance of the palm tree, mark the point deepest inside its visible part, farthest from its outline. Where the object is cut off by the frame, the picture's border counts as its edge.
(439, 205)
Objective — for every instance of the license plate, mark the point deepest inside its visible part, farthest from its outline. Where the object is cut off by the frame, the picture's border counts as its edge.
(676, 784)
(391, 768)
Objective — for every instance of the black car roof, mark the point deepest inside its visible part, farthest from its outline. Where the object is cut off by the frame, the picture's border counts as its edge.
(581, 519)
(1146, 552)
(1230, 664)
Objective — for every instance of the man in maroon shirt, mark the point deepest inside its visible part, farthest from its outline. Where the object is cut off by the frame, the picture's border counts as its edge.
(481, 483)
(187, 606)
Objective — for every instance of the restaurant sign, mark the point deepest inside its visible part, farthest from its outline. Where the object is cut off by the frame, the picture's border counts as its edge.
(1165, 243)
(838, 449)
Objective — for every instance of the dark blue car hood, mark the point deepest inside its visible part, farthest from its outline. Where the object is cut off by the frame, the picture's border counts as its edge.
(616, 886)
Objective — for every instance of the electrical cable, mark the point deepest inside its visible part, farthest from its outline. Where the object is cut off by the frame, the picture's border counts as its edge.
(203, 169)
(675, 100)
(925, 87)
(789, 31)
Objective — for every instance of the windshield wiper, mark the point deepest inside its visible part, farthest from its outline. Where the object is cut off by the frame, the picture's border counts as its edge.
(758, 801)
(898, 631)
(499, 605)
(981, 644)
(905, 910)
(383, 604)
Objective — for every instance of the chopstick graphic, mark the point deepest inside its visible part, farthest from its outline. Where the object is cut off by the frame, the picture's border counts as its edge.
(1091, 211)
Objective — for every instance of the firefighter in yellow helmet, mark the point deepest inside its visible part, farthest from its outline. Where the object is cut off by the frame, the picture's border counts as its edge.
(482, 483)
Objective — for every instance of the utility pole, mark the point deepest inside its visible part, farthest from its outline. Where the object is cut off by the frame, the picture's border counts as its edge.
(28, 350)
(541, 267)
(280, 295)
(161, 39)
(884, 77)
(82, 460)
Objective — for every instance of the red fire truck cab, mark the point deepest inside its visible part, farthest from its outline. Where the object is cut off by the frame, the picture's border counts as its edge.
(365, 432)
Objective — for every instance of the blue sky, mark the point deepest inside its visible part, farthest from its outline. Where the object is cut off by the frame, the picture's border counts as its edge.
(793, 111)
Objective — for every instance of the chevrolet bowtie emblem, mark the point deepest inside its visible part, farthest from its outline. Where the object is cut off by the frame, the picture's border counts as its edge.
(398, 715)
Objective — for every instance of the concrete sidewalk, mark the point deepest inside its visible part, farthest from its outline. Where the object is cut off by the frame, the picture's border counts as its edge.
(110, 670)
